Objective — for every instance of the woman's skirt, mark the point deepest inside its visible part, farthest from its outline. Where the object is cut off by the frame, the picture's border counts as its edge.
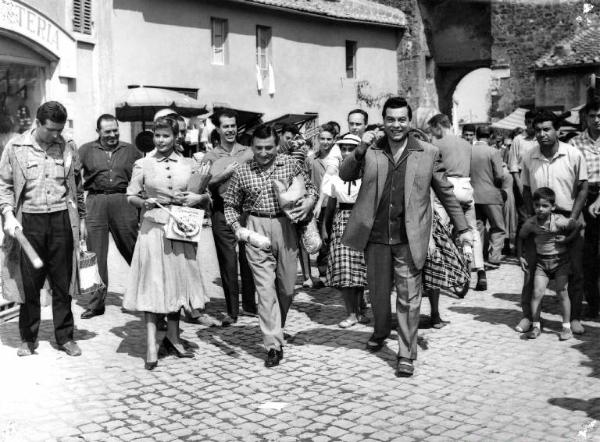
(345, 266)
(165, 275)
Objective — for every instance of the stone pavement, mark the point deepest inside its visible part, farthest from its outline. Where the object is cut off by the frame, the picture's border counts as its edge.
(476, 379)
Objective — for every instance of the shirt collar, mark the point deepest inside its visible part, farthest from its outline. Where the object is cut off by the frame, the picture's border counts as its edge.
(589, 139)
(173, 157)
(411, 143)
(277, 163)
(562, 150)
(98, 145)
(28, 139)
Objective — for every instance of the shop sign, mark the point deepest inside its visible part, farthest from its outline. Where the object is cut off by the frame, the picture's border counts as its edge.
(26, 21)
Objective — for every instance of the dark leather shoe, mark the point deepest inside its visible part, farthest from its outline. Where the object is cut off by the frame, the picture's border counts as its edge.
(227, 320)
(481, 284)
(438, 322)
(71, 348)
(171, 348)
(150, 365)
(375, 344)
(273, 358)
(405, 368)
(89, 313)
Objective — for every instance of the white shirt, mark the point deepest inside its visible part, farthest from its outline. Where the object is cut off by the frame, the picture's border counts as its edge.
(344, 191)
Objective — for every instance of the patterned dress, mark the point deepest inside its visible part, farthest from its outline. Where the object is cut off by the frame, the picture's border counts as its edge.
(345, 266)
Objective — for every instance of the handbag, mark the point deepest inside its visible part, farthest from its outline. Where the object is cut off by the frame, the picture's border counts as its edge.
(185, 224)
(446, 266)
(87, 271)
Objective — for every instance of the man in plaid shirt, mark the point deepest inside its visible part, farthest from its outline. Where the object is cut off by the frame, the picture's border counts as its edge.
(588, 143)
(251, 192)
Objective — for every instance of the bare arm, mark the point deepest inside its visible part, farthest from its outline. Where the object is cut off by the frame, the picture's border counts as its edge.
(582, 191)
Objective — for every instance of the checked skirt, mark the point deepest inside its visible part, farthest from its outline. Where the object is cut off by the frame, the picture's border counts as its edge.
(345, 266)
(447, 267)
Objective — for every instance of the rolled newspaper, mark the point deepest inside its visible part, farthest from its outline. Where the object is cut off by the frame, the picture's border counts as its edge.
(253, 238)
(36, 261)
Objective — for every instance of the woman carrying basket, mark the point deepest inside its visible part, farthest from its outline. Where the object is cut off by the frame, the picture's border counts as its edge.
(165, 274)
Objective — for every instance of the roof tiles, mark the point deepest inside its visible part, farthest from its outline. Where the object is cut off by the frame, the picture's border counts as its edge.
(365, 11)
(581, 49)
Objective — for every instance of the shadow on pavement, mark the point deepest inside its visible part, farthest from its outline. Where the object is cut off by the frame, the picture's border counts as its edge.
(232, 339)
(590, 406)
(505, 316)
(112, 298)
(10, 336)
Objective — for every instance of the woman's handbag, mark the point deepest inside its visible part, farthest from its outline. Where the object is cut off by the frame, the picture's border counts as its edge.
(446, 266)
(87, 270)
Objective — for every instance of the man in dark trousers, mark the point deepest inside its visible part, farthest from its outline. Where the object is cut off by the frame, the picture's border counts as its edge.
(391, 221)
(107, 164)
(486, 179)
(41, 196)
(225, 159)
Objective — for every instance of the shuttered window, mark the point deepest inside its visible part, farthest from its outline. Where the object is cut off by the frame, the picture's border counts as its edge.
(82, 16)
(263, 49)
(219, 41)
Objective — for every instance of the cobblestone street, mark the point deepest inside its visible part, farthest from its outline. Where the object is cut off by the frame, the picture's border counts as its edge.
(475, 380)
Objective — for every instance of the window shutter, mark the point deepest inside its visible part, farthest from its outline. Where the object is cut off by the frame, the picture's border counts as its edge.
(82, 16)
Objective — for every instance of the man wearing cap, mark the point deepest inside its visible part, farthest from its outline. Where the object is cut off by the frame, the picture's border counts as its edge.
(107, 163)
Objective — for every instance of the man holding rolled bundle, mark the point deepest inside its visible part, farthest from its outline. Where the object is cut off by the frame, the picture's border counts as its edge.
(251, 192)
(41, 195)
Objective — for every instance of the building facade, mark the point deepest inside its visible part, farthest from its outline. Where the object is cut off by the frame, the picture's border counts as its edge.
(268, 56)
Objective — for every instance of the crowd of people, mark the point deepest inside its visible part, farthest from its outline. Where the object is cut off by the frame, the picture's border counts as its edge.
(386, 200)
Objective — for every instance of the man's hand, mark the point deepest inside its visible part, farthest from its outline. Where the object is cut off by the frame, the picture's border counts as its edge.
(524, 265)
(368, 138)
(466, 237)
(11, 224)
(594, 208)
(149, 203)
(302, 209)
(230, 169)
(82, 230)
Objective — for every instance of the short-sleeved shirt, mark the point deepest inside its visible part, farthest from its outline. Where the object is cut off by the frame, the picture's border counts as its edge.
(238, 153)
(591, 152)
(561, 173)
(345, 192)
(521, 146)
(107, 170)
(456, 155)
(46, 188)
(545, 236)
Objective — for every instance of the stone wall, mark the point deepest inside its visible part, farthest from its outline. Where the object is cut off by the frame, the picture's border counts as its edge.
(524, 30)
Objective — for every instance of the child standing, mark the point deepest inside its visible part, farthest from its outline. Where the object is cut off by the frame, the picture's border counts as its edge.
(551, 233)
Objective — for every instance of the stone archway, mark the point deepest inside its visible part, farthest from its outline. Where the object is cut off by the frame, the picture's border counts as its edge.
(472, 99)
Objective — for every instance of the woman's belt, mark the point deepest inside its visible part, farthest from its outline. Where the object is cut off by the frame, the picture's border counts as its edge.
(345, 206)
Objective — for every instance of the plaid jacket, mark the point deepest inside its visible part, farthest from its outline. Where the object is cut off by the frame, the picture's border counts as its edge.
(251, 188)
(591, 152)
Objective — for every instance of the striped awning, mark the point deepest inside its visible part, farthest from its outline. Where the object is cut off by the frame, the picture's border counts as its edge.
(514, 120)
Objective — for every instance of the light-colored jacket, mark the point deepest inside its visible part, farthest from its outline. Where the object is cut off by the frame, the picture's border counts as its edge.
(424, 171)
(12, 182)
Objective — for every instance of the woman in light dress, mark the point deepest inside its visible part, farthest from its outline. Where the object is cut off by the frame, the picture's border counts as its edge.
(165, 275)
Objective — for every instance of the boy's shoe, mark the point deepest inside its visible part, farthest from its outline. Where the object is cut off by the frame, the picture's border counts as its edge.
(565, 334)
(308, 283)
(576, 327)
(533, 333)
(523, 326)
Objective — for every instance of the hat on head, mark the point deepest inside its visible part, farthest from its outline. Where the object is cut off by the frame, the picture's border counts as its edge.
(349, 139)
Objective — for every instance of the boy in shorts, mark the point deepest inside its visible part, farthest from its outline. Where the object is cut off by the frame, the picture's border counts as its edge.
(551, 233)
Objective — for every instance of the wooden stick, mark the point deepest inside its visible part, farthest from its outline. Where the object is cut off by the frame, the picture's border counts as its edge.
(28, 249)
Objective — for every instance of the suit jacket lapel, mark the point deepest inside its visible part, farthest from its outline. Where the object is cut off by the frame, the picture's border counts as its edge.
(382, 171)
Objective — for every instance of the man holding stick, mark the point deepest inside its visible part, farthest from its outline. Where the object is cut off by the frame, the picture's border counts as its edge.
(41, 195)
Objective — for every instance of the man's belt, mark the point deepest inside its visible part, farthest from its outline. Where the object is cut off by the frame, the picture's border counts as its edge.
(267, 215)
(106, 192)
(346, 206)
